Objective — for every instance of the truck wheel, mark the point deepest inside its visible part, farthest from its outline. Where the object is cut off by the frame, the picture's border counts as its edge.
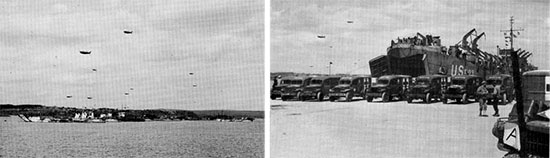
(273, 97)
(348, 96)
(464, 98)
(504, 99)
(444, 100)
(369, 99)
(428, 98)
(385, 97)
(320, 96)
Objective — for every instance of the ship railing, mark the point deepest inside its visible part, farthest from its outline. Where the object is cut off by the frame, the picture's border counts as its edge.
(425, 48)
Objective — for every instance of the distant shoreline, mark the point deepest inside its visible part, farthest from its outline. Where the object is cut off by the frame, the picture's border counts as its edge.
(43, 113)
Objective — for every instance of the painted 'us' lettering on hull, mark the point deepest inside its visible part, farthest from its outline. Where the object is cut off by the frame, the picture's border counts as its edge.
(460, 70)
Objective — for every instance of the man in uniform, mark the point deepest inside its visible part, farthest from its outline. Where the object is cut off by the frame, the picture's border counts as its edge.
(276, 81)
(481, 95)
(495, 94)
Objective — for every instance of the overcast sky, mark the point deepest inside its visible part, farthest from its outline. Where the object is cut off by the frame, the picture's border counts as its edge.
(220, 41)
(296, 25)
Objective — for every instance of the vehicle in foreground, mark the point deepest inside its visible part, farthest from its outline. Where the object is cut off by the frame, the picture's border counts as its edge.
(295, 88)
(349, 87)
(462, 88)
(319, 87)
(427, 87)
(388, 87)
(533, 140)
(506, 84)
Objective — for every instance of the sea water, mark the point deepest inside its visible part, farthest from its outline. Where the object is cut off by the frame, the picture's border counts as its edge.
(133, 139)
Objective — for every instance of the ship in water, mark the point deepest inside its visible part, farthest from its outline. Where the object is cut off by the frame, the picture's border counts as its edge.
(424, 55)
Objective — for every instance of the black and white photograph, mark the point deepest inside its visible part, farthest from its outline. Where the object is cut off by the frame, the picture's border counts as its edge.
(120, 78)
(395, 78)
(275, 78)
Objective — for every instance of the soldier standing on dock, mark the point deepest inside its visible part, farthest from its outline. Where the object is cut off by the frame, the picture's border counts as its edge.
(276, 81)
(495, 94)
(481, 95)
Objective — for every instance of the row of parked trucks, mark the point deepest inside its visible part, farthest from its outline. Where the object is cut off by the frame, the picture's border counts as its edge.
(531, 140)
(428, 88)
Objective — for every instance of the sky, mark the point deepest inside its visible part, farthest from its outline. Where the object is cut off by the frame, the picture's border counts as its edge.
(219, 41)
(295, 26)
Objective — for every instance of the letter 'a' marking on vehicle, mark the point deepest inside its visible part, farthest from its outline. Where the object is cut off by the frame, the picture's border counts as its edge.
(511, 135)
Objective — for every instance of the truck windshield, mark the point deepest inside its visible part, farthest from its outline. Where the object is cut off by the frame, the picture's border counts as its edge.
(345, 82)
(458, 82)
(382, 81)
(316, 81)
(285, 82)
(296, 82)
(490, 82)
(422, 81)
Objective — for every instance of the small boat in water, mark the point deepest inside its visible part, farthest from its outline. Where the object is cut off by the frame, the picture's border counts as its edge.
(96, 121)
(111, 120)
(35, 119)
(245, 119)
(224, 120)
(47, 120)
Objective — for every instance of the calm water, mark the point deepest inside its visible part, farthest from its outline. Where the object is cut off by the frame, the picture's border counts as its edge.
(129, 139)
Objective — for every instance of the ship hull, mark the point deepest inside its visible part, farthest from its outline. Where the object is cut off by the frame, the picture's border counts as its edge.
(423, 60)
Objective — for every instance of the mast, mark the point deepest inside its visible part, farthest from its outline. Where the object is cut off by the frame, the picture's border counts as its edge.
(506, 53)
(511, 32)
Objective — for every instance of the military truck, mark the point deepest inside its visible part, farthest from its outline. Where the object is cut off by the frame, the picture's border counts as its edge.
(276, 90)
(462, 88)
(427, 87)
(533, 140)
(295, 88)
(388, 87)
(319, 87)
(506, 84)
(349, 87)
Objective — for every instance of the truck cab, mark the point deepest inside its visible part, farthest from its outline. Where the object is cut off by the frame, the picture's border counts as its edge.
(536, 104)
(462, 88)
(295, 88)
(319, 87)
(276, 90)
(506, 84)
(388, 87)
(427, 87)
(349, 87)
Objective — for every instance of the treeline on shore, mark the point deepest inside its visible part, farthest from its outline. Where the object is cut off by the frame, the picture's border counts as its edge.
(285, 74)
(228, 113)
(128, 114)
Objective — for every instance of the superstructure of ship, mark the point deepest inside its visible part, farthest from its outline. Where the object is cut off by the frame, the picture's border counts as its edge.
(424, 55)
